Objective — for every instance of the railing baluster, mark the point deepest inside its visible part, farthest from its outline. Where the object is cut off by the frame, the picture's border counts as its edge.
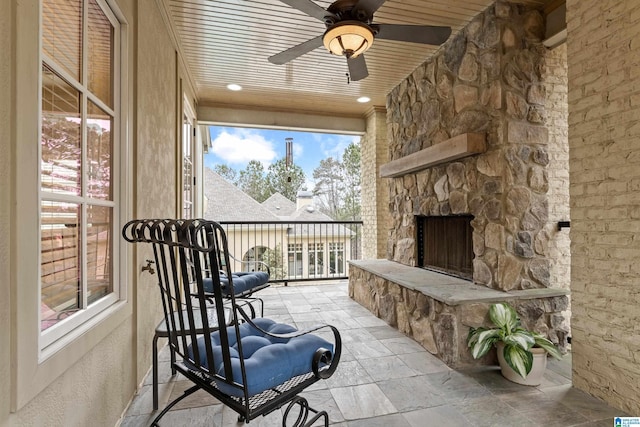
(331, 242)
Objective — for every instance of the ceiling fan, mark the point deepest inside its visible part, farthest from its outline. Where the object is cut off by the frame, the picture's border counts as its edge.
(350, 32)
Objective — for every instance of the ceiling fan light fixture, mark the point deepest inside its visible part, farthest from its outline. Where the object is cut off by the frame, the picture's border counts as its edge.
(348, 38)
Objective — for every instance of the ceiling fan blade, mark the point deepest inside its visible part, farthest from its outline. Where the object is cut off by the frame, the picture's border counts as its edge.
(426, 34)
(310, 8)
(296, 51)
(357, 68)
(369, 6)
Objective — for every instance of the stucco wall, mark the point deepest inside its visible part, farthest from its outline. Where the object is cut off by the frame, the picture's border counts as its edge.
(96, 389)
(6, 83)
(155, 158)
(604, 150)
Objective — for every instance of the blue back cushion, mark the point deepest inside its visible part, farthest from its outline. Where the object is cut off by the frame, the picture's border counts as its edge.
(268, 361)
(242, 282)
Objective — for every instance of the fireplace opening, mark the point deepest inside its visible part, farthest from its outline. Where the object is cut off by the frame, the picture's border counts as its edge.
(445, 244)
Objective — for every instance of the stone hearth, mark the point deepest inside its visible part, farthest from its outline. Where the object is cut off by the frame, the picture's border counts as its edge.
(437, 310)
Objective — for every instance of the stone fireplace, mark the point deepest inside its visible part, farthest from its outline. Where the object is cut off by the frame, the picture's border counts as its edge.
(468, 138)
(487, 81)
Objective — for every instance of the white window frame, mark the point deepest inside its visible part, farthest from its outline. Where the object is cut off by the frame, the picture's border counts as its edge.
(36, 363)
(316, 249)
(188, 136)
(52, 338)
(295, 249)
(335, 249)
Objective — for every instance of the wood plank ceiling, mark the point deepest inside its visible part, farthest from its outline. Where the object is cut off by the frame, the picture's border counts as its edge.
(229, 41)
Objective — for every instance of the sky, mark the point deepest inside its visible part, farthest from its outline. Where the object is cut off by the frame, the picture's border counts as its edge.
(235, 147)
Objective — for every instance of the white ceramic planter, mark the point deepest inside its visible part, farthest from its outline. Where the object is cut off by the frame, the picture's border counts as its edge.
(537, 370)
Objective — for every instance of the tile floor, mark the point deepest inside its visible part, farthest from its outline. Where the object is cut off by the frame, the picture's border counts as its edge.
(385, 379)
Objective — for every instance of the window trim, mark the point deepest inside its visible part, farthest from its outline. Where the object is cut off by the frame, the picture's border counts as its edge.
(30, 371)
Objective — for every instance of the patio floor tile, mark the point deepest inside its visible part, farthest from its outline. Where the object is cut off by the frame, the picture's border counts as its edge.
(362, 401)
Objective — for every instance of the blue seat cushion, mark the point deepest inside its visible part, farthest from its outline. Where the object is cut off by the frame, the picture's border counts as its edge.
(268, 361)
(243, 282)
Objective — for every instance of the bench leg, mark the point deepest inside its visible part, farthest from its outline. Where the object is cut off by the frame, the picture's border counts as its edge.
(173, 360)
(155, 372)
(155, 368)
(304, 409)
(186, 393)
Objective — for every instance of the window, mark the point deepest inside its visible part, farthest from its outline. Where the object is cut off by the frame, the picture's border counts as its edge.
(79, 163)
(316, 259)
(254, 258)
(336, 258)
(295, 259)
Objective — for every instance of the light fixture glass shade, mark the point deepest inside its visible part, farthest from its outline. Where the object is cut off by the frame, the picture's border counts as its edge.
(348, 38)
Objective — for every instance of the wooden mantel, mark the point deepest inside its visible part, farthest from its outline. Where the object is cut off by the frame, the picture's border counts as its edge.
(460, 146)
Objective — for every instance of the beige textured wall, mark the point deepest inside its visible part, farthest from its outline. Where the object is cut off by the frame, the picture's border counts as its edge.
(6, 83)
(93, 392)
(155, 163)
(604, 127)
(97, 388)
(375, 196)
(556, 107)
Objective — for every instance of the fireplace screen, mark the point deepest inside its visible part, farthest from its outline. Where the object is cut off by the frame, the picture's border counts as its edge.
(445, 244)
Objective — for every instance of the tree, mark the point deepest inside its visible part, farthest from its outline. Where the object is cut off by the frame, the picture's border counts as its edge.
(283, 181)
(274, 258)
(338, 185)
(253, 182)
(227, 173)
(329, 186)
(351, 161)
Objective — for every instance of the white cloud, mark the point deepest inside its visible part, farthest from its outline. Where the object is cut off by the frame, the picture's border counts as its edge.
(335, 145)
(239, 146)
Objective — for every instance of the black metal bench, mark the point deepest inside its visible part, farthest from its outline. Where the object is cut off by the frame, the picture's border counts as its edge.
(255, 365)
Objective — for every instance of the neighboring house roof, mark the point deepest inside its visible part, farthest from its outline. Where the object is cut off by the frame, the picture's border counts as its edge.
(226, 202)
(286, 210)
(279, 205)
(308, 213)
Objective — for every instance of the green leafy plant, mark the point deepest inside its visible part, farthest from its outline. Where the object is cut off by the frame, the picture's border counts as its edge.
(517, 340)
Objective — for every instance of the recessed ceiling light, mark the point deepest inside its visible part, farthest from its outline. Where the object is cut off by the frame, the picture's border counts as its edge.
(233, 86)
(364, 99)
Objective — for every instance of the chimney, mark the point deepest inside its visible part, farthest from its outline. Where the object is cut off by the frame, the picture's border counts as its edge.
(304, 198)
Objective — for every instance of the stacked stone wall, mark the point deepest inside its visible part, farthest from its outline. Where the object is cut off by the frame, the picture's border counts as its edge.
(603, 41)
(488, 79)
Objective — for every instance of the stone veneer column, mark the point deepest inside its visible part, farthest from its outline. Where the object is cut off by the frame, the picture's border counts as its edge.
(603, 39)
(375, 198)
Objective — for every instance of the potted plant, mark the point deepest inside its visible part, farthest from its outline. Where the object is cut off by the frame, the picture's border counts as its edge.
(522, 354)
